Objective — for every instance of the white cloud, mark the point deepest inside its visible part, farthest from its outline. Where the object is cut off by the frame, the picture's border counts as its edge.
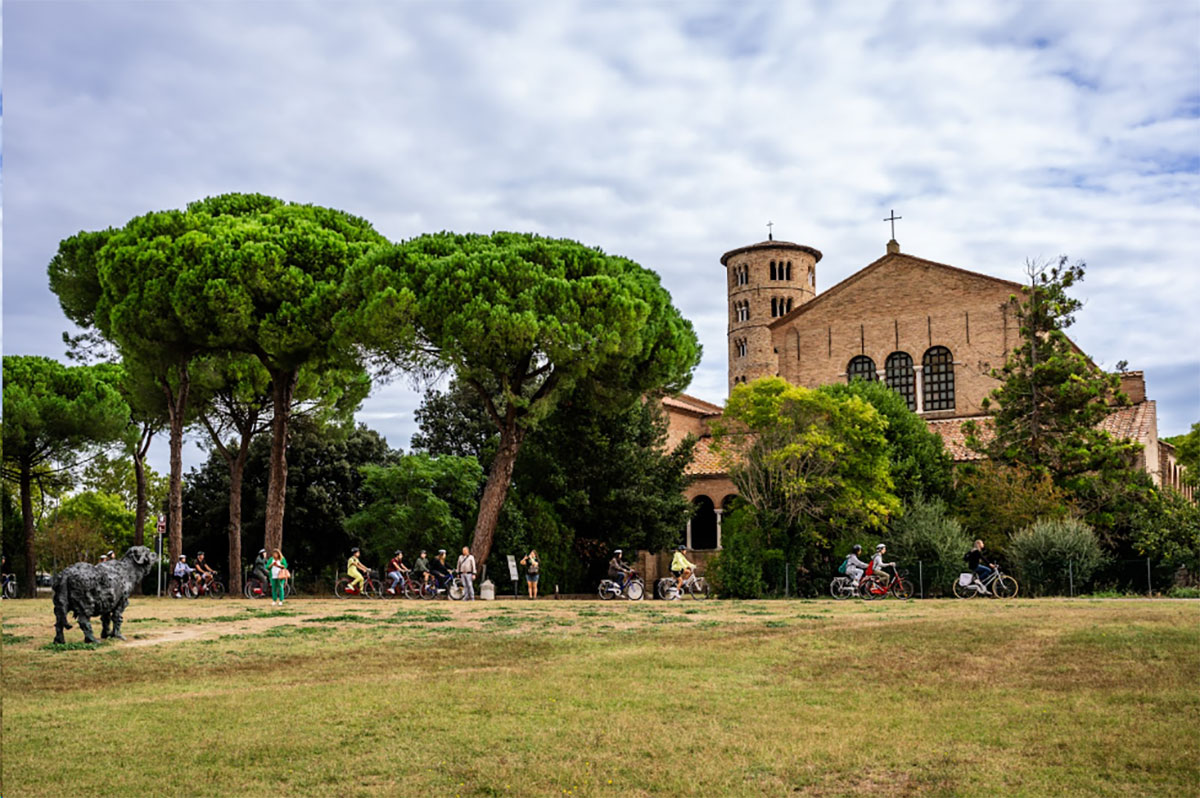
(668, 133)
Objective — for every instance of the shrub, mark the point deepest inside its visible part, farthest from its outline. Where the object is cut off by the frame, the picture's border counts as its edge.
(737, 572)
(1040, 553)
(996, 501)
(926, 534)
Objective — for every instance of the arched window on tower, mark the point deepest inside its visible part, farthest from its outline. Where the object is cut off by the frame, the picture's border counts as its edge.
(789, 305)
(812, 277)
(774, 308)
(789, 271)
(772, 270)
(938, 368)
(861, 368)
(899, 376)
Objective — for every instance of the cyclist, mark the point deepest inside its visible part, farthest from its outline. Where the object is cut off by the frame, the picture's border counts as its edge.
(618, 568)
(854, 566)
(207, 574)
(681, 567)
(259, 570)
(396, 570)
(439, 569)
(877, 565)
(974, 559)
(5, 576)
(420, 569)
(103, 559)
(356, 570)
(182, 572)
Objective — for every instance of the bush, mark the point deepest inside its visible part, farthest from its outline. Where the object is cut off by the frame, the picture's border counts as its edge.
(737, 571)
(1040, 553)
(1184, 592)
(926, 534)
(995, 501)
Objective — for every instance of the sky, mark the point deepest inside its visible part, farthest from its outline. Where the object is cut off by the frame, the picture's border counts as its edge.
(668, 133)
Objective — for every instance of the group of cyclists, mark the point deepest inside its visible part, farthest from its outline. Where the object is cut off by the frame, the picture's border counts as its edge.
(425, 570)
(182, 575)
(857, 570)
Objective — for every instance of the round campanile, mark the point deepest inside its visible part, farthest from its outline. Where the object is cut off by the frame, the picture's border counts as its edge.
(766, 281)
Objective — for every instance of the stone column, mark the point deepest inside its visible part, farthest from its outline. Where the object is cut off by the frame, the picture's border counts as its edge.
(919, 372)
(718, 511)
(688, 542)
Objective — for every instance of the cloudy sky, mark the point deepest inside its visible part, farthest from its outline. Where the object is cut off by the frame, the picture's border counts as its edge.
(668, 133)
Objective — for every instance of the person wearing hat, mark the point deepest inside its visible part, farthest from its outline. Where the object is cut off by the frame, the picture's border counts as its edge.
(617, 568)
(259, 570)
(103, 558)
(355, 568)
(681, 567)
(182, 572)
(854, 566)
(396, 570)
(877, 565)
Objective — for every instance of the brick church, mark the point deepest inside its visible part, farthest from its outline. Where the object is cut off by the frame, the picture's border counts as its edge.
(928, 330)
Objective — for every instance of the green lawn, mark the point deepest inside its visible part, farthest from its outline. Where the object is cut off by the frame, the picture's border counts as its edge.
(557, 698)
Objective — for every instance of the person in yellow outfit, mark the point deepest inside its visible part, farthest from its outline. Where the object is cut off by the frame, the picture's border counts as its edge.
(356, 569)
(681, 567)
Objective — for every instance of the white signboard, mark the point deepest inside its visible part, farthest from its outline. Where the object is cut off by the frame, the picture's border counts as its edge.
(512, 567)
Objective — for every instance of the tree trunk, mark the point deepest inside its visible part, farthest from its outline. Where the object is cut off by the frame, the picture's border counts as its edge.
(139, 517)
(495, 492)
(176, 406)
(236, 467)
(27, 518)
(283, 384)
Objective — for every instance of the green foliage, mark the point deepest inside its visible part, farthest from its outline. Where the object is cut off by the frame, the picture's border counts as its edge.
(1167, 529)
(1052, 399)
(917, 460)
(1040, 554)
(926, 533)
(996, 501)
(421, 502)
(522, 320)
(806, 459)
(116, 476)
(737, 571)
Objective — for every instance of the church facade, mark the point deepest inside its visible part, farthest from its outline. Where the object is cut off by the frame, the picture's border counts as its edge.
(930, 331)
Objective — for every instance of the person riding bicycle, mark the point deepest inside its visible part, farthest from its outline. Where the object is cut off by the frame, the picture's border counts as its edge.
(396, 570)
(618, 569)
(974, 560)
(205, 571)
(181, 573)
(420, 569)
(855, 568)
(440, 570)
(681, 567)
(877, 564)
(259, 569)
(356, 570)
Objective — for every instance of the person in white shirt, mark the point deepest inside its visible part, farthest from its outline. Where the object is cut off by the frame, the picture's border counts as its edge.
(182, 572)
(466, 569)
(854, 566)
(877, 564)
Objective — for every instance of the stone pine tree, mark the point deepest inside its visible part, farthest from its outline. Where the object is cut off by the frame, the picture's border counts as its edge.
(51, 411)
(522, 320)
(1052, 398)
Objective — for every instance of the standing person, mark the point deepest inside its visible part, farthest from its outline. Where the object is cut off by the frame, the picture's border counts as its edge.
(466, 569)
(530, 561)
(279, 576)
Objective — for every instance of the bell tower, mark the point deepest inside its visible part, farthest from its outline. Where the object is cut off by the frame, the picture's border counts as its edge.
(765, 281)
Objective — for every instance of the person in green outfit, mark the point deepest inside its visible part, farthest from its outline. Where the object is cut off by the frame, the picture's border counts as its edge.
(278, 565)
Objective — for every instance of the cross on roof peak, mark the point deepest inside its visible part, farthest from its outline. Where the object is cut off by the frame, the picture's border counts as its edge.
(893, 219)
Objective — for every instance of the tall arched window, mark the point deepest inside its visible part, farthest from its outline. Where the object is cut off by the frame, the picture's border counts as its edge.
(772, 270)
(938, 367)
(861, 368)
(789, 305)
(812, 277)
(704, 523)
(789, 271)
(899, 376)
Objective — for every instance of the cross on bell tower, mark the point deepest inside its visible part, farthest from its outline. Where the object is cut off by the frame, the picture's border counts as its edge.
(770, 231)
(893, 246)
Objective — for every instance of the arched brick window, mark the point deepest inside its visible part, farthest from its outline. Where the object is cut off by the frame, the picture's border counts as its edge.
(789, 305)
(938, 367)
(898, 375)
(861, 368)
(772, 270)
(789, 271)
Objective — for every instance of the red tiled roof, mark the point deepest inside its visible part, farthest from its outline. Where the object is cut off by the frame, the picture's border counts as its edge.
(955, 440)
(692, 405)
(1132, 423)
(704, 460)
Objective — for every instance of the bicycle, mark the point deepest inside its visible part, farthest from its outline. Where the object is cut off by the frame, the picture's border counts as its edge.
(842, 587)
(198, 586)
(254, 587)
(370, 587)
(872, 586)
(10, 586)
(631, 587)
(451, 585)
(694, 586)
(995, 584)
(407, 587)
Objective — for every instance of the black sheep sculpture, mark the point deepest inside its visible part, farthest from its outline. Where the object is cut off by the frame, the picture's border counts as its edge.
(88, 590)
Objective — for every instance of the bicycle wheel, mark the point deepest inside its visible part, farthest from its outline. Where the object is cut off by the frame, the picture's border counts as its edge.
(869, 588)
(1005, 587)
(247, 588)
(699, 589)
(837, 588)
(372, 588)
(635, 591)
(660, 587)
(901, 589)
(963, 592)
(216, 590)
(339, 587)
(455, 590)
(10, 590)
(606, 590)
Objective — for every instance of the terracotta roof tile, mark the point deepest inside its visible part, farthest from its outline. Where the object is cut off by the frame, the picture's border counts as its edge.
(1132, 423)
(692, 405)
(955, 440)
(704, 460)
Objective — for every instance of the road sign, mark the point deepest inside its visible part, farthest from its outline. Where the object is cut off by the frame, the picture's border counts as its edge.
(162, 525)
(512, 567)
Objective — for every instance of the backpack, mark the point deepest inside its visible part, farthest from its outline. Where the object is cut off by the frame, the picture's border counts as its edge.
(842, 567)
